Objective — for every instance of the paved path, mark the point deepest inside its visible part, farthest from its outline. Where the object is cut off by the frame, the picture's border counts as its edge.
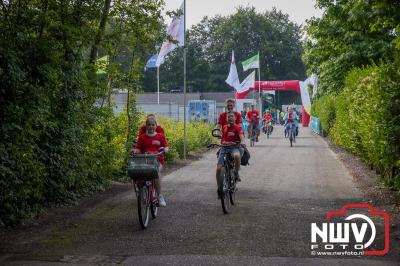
(282, 192)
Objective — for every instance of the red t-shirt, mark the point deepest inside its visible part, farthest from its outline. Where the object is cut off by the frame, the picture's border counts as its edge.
(290, 117)
(158, 130)
(147, 144)
(267, 117)
(250, 115)
(231, 133)
(222, 118)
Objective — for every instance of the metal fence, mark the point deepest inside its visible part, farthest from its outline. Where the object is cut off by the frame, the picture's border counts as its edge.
(171, 110)
(176, 111)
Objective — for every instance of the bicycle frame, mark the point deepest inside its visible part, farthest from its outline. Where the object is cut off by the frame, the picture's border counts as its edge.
(291, 133)
(151, 188)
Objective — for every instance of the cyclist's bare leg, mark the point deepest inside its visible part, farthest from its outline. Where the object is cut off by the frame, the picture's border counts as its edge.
(236, 156)
(218, 175)
(157, 182)
(157, 185)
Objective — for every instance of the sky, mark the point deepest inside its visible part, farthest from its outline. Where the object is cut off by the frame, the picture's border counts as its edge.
(298, 10)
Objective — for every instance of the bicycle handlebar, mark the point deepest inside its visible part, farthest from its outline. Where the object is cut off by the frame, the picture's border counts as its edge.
(222, 145)
(213, 133)
(143, 155)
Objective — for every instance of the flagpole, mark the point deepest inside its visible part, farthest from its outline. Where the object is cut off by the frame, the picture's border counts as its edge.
(259, 83)
(158, 85)
(184, 79)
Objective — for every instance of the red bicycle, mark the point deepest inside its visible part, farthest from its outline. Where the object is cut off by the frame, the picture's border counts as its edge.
(143, 170)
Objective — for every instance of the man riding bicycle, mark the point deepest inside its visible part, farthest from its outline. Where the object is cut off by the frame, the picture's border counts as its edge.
(233, 138)
(290, 118)
(267, 120)
(253, 118)
(222, 120)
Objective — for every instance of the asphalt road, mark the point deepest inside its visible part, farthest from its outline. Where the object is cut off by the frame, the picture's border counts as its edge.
(282, 192)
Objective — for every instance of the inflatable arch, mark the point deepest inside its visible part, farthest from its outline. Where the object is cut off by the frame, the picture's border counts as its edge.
(277, 85)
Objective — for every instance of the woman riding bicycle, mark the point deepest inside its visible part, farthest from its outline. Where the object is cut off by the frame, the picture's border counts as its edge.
(153, 142)
(232, 137)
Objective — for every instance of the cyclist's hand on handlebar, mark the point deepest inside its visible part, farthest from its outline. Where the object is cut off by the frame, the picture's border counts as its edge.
(243, 144)
(161, 149)
(216, 132)
(134, 151)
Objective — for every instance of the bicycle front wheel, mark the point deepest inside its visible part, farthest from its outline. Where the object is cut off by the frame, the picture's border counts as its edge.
(224, 189)
(143, 206)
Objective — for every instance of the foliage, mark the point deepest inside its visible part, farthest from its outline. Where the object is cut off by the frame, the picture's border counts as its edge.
(354, 48)
(325, 109)
(350, 34)
(210, 44)
(55, 144)
(368, 115)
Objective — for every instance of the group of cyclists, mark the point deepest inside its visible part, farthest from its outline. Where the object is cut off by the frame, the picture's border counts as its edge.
(151, 138)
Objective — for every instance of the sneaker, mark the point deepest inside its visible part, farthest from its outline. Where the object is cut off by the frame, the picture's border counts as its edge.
(161, 201)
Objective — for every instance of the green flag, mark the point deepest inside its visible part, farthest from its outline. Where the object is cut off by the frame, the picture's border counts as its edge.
(101, 65)
(252, 62)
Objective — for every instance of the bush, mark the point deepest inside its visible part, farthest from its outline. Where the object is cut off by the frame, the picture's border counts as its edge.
(368, 117)
(324, 108)
(198, 135)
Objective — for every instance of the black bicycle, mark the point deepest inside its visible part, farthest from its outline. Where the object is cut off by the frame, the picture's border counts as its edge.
(227, 180)
(292, 133)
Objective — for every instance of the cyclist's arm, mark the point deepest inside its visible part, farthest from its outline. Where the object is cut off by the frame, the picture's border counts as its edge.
(242, 139)
(138, 148)
(164, 143)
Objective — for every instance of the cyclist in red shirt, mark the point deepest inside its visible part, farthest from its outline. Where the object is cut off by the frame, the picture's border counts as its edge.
(267, 116)
(159, 129)
(152, 142)
(222, 120)
(253, 117)
(231, 134)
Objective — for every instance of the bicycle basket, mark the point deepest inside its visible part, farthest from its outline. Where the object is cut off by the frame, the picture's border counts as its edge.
(143, 167)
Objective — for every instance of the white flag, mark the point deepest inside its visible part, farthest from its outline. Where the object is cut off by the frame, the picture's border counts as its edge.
(305, 96)
(248, 82)
(315, 85)
(176, 33)
(233, 78)
(312, 80)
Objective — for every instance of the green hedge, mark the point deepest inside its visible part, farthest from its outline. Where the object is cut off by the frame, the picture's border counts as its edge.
(324, 108)
(368, 117)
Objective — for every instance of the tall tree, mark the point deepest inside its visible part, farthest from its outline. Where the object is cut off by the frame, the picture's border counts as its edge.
(352, 33)
(248, 32)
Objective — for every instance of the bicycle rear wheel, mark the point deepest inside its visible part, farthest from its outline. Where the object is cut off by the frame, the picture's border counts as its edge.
(143, 207)
(225, 191)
